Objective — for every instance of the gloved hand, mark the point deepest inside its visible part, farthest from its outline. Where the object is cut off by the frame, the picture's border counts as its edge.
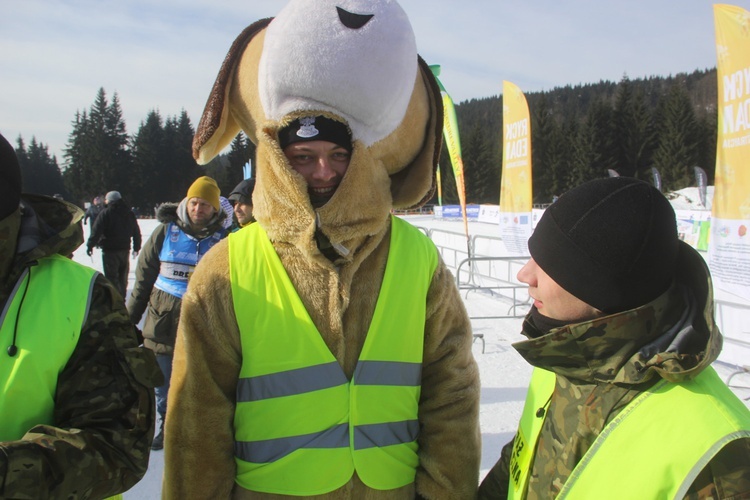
(89, 251)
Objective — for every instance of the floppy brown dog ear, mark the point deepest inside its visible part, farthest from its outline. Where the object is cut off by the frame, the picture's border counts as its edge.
(217, 127)
(414, 185)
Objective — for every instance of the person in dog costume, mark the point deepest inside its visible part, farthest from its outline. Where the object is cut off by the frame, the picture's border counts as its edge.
(325, 351)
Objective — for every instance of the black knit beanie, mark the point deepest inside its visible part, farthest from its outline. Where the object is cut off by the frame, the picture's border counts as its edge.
(610, 242)
(10, 179)
(315, 128)
(243, 192)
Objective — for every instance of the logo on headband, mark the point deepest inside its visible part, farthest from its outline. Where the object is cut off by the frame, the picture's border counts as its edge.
(307, 127)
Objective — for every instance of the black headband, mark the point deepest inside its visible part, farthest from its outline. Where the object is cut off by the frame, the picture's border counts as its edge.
(315, 128)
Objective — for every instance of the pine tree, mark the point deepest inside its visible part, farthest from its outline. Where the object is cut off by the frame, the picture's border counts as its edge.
(601, 133)
(40, 172)
(633, 132)
(481, 168)
(149, 177)
(117, 145)
(547, 151)
(678, 140)
(97, 156)
(79, 181)
(182, 169)
(582, 155)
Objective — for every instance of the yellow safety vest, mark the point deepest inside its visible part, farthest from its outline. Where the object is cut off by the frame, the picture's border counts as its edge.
(49, 316)
(709, 416)
(301, 427)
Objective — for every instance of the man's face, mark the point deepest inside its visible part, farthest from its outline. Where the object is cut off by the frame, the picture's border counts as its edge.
(200, 212)
(552, 300)
(244, 212)
(322, 164)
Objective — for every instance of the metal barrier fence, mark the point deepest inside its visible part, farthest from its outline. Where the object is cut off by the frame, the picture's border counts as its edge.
(508, 291)
(477, 270)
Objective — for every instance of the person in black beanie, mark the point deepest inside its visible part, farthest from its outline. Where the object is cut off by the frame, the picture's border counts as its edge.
(241, 198)
(622, 337)
(77, 393)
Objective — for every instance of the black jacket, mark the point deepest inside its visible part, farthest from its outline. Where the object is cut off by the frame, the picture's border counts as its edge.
(114, 227)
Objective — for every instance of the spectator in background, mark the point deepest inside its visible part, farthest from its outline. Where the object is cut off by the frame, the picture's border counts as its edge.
(242, 198)
(187, 231)
(623, 401)
(76, 398)
(94, 210)
(112, 231)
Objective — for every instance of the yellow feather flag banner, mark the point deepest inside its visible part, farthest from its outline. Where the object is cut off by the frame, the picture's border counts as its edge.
(452, 141)
(515, 183)
(729, 244)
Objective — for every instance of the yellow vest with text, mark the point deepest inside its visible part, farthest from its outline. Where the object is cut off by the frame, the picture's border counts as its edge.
(46, 318)
(301, 427)
(657, 445)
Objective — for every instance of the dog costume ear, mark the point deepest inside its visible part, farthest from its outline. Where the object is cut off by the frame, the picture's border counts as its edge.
(218, 127)
(414, 185)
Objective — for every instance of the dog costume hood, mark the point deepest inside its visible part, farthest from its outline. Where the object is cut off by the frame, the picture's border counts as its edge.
(355, 62)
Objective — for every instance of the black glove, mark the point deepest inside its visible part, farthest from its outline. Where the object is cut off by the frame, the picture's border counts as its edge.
(89, 252)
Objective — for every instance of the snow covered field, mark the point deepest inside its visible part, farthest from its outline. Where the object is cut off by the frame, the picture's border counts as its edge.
(504, 373)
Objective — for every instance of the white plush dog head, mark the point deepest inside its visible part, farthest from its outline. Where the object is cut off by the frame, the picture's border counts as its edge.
(353, 60)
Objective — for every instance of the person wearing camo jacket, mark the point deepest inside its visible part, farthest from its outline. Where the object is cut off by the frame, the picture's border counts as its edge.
(623, 401)
(77, 394)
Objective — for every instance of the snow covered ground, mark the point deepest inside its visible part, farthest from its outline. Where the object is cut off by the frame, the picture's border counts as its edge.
(504, 373)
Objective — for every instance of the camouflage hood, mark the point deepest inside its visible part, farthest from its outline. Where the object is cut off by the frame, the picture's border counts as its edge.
(673, 337)
(42, 226)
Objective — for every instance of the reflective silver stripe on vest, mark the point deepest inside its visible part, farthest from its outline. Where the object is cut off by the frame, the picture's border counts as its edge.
(365, 436)
(270, 450)
(379, 435)
(388, 373)
(291, 382)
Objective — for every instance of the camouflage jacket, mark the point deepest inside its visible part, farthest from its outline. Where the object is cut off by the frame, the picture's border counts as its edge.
(104, 412)
(603, 364)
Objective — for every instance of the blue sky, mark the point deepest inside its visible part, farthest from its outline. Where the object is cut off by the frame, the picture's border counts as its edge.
(56, 54)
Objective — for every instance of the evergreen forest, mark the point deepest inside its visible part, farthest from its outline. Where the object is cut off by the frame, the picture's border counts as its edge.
(632, 127)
